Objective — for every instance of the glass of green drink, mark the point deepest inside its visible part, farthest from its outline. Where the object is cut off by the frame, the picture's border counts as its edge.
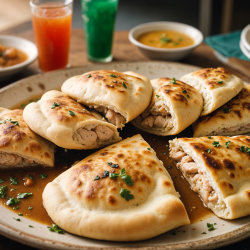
(99, 22)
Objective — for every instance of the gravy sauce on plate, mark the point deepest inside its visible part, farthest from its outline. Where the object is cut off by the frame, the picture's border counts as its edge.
(165, 39)
(33, 180)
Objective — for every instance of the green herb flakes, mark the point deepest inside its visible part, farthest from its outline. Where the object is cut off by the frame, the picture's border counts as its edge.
(20, 214)
(16, 219)
(204, 233)
(173, 81)
(210, 227)
(220, 82)
(157, 96)
(170, 167)
(148, 148)
(97, 178)
(23, 195)
(15, 208)
(43, 176)
(128, 180)
(12, 201)
(227, 143)
(113, 165)
(216, 144)
(1, 181)
(226, 110)
(188, 96)
(56, 229)
(30, 177)
(13, 181)
(113, 176)
(55, 105)
(184, 92)
(248, 150)
(209, 137)
(2, 191)
(105, 174)
(31, 226)
(208, 150)
(89, 76)
(72, 113)
(124, 85)
(30, 208)
(243, 149)
(166, 40)
(124, 193)
(15, 123)
(112, 75)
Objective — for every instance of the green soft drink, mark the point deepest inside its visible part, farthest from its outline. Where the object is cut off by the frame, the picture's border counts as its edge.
(99, 22)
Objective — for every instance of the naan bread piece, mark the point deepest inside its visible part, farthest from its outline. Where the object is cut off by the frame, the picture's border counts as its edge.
(68, 124)
(233, 118)
(19, 145)
(173, 107)
(218, 169)
(84, 200)
(217, 87)
(120, 97)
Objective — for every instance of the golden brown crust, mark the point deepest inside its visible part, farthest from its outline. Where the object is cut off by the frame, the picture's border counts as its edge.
(95, 209)
(217, 86)
(22, 141)
(225, 120)
(227, 168)
(183, 101)
(126, 93)
(56, 124)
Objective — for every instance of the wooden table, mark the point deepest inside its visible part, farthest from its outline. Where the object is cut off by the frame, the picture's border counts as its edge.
(123, 50)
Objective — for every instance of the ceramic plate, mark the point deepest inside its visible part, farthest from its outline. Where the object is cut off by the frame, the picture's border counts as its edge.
(227, 232)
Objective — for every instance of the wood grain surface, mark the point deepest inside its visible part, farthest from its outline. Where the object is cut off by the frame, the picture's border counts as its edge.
(123, 50)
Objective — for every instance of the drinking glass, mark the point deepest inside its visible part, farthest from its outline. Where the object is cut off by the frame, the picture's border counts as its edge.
(99, 22)
(52, 29)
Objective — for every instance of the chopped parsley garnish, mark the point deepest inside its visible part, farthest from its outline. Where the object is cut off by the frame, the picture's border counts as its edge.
(14, 122)
(166, 40)
(97, 178)
(243, 149)
(157, 96)
(56, 229)
(105, 174)
(112, 75)
(113, 176)
(248, 150)
(30, 177)
(15, 208)
(124, 85)
(13, 181)
(31, 226)
(163, 152)
(128, 180)
(113, 165)
(20, 214)
(72, 113)
(2, 191)
(208, 150)
(55, 105)
(227, 143)
(30, 208)
(216, 144)
(226, 110)
(188, 96)
(173, 81)
(12, 201)
(209, 137)
(1, 181)
(220, 82)
(43, 176)
(23, 195)
(124, 193)
(184, 92)
(176, 44)
(16, 219)
(170, 167)
(148, 148)
(210, 227)
(89, 76)
(204, 233)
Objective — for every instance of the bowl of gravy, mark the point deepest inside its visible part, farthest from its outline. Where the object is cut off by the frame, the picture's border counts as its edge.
(165, 40)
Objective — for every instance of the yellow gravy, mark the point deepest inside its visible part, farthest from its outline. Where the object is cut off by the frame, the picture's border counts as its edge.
(167, 39)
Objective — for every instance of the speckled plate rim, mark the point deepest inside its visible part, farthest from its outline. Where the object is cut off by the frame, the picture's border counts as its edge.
(40, 242)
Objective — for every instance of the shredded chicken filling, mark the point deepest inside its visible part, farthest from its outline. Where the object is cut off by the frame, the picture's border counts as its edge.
(157, 116)
(115, 118)
(98, 134)
(231, 129)
(14, 160)
(197, 179)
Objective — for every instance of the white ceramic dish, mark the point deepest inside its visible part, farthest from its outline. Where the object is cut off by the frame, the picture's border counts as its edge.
(245, 51)
(26, 46)
(226, 232)
(165, 54)
(245, 37)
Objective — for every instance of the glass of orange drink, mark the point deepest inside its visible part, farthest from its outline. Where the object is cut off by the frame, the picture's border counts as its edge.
(52, 29)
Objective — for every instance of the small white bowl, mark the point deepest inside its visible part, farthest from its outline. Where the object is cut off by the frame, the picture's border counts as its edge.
(22, 44)
(245, 37)
(160, 53)
(245, 51)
